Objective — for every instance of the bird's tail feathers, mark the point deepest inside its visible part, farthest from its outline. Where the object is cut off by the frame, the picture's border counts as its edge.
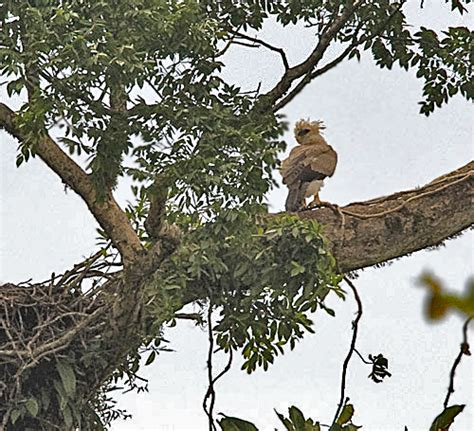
(295, 199)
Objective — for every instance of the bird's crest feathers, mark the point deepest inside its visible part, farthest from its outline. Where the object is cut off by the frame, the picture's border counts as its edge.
(313, 126)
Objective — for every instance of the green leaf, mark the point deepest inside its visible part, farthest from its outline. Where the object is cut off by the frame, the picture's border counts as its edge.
(445, 419)
(68, 378)
(346, 414)
(235, 424)
(288, 425)
(19, 160)
(67, 415)
(328, 310)
(297, 268)
(297, 417)
(15, 414)
(32, 407)
(15, 87)
(61, 394)
(150, 358)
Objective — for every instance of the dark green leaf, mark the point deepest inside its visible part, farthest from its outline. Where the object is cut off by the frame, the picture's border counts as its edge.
(68, 378)
(445, 419)
(234, 424)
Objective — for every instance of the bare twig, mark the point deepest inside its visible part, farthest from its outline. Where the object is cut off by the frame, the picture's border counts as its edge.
(267, 45)
(355, 327)
(189, 316)
(310, 75)
(230, 41)
(464, 350)
(365, 361)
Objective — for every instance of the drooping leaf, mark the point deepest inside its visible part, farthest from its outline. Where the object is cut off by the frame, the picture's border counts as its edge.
(235, 424)
(446, 418)
(68, 377)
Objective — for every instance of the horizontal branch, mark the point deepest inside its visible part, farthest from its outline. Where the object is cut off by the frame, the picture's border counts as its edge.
(107, 212)
(376, 231)
(368, 233)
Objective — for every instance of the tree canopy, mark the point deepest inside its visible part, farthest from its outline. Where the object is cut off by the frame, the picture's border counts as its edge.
(136, 89)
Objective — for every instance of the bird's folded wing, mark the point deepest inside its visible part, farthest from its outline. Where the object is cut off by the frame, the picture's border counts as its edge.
(308, 162)
(324, 162)
(292, 167)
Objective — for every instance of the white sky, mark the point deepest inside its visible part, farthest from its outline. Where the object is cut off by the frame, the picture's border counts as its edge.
(384, 145)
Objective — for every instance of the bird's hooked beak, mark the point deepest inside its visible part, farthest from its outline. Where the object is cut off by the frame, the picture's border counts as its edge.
(303, 132)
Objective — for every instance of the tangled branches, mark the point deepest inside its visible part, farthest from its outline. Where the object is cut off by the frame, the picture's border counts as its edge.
(43, 327)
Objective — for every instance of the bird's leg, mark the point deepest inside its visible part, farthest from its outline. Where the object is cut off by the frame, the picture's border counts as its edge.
(316, 202)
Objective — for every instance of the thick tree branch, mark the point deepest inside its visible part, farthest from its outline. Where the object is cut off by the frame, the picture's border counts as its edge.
(376, 231)
(368, 233)
(107, 212)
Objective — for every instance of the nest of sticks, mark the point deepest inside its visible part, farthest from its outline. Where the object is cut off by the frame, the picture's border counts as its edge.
(41, 323)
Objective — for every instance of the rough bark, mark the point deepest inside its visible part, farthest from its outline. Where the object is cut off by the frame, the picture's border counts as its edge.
(376, 231)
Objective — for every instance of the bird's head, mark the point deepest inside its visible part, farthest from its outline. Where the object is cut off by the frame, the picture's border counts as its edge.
(308, 132)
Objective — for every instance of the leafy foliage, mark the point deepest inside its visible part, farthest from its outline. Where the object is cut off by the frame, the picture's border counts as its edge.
(104, 80)
(296, 421)
(143, 79)
(344, 421)
(229, 423)
(264, 275)
(445, 65)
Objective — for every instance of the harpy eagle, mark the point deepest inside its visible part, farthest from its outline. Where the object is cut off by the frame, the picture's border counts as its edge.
(307, 165)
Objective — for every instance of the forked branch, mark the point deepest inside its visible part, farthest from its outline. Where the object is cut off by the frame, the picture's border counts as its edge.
(314, 58)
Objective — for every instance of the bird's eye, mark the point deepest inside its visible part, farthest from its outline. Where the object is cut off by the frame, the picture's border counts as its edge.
(303, 132)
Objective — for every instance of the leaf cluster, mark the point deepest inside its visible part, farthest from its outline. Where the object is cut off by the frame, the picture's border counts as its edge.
(264, 274)
(296, 421)
(143, 81)
(379, 368)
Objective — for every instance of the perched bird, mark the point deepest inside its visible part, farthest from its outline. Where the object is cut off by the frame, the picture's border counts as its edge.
(307, 166)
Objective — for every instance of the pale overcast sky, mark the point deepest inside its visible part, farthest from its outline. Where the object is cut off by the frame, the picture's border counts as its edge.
(384, 145)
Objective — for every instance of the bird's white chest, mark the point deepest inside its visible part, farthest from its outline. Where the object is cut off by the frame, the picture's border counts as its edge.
(313, 188)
